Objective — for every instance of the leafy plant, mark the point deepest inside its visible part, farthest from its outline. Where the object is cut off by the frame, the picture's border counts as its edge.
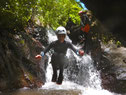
(57, 12)
(15, 14)
(118, 43)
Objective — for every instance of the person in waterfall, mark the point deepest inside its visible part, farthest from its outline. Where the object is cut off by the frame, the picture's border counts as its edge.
(85, 28)
(59, 59)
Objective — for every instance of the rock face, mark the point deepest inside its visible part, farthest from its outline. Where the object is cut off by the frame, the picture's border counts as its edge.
(44, 92)
(111, 14)
(18, 66)
(113, 69)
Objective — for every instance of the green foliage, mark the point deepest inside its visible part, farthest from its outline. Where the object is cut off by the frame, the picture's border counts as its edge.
(57, 12)
(118, 43)
(16, 13)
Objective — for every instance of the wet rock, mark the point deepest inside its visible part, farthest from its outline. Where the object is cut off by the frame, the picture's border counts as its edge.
(114, 73)
(109, 81)
(18, 66)
(112, 16)
(44, 92)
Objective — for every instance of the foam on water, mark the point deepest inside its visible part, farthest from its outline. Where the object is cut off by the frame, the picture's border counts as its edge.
(93, 86)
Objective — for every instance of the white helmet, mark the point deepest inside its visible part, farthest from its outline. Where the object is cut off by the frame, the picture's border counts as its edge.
(61, 30)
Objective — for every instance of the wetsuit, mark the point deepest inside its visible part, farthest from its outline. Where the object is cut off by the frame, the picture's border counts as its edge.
(59, 59)
(85, 20)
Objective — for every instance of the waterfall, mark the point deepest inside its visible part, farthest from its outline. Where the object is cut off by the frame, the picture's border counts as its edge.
(80, 73)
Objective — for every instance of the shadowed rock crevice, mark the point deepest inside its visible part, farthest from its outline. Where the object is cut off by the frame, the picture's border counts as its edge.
(18, 66)
(111, 14)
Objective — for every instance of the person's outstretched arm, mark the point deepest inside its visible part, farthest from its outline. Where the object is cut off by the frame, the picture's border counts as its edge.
(45, 51)
(78, 52)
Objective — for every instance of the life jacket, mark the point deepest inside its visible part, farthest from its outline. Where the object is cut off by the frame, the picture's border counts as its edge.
(86, 28)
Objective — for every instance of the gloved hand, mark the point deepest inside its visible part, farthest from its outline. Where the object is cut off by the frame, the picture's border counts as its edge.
(38, 56)
(42, 54)
(81, 52)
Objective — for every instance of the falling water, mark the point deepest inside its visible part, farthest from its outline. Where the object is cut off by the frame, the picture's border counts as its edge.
(80, 77)
(80, 74)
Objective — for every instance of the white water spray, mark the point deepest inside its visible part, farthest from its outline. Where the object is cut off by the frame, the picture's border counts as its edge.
(86, 79)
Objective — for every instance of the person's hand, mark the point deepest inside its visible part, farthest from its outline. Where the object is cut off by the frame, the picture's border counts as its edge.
(81, 52)
(38, 56)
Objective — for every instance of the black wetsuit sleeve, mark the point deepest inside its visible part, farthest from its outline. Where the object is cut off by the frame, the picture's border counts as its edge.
(85, 20)
(48, 47)
(72, 47)
(82, 24)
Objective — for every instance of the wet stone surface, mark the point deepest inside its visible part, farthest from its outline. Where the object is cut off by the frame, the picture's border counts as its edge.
(43, 92)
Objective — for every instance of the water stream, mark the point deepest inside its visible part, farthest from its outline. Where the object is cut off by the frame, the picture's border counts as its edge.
(80, 75)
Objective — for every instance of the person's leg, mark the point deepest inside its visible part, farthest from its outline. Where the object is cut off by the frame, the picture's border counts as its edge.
(54, 76)
(54, 67)
(60, 78)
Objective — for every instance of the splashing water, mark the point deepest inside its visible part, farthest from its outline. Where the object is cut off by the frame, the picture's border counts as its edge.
(80, 74)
